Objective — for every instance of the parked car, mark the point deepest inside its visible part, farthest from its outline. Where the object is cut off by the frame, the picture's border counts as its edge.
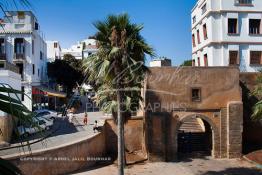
(38, 125)
(47, 114)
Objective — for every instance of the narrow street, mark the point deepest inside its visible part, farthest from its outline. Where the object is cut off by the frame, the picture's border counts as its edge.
(64, 134)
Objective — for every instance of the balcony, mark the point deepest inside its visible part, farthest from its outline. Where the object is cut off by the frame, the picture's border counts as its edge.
(8, 66)
(243, 3)
(19, 57)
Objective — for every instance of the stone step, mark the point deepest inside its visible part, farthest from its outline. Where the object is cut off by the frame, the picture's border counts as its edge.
(192, 125)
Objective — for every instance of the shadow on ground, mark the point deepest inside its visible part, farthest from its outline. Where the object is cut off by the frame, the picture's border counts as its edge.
(182, 157)
(235, 171)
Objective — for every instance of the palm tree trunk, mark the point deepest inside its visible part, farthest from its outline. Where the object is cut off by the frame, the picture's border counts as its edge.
(120, 133)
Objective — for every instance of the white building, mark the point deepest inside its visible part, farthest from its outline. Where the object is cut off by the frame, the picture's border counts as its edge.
(160, 62)
(90, 47)
(9, 74)
(22, 44)
(53, 50)
(75, 50)
(82, 49)
(227, 32)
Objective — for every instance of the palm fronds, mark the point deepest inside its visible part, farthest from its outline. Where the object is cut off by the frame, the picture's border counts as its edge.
(257, 109)
(121, 47)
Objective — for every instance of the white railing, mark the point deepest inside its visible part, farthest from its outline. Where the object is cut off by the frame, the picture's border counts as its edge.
(9, 66)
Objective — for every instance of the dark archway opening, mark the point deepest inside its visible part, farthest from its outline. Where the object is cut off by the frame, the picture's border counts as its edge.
(194, 138)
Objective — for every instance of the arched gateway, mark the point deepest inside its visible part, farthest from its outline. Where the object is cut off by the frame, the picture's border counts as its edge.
(195, 135)
(211, 96)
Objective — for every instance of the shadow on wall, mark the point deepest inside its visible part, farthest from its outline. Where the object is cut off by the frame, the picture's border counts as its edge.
(235, 171)
(251, 137)
(111, 141)
(134, 140)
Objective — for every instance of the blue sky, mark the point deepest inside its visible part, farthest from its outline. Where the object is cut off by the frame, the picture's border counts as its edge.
(166, 22)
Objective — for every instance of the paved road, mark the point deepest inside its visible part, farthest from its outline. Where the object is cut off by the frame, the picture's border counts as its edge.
(66, 133)
(203, 166)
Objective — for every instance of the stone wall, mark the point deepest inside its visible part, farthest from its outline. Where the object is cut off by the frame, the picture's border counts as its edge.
(135, 149)
(168, 102)
(234, 129)
(6, 129)
(170, 87)
(63, 159)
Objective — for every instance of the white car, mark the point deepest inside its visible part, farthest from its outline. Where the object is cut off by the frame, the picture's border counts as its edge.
(39, 125)
(47, 114)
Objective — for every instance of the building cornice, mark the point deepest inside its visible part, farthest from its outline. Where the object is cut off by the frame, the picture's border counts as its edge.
(226, 42)
(16, 32)
(220, 12)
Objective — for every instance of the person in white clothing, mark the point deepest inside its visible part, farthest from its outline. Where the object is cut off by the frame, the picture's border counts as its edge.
(71, 116)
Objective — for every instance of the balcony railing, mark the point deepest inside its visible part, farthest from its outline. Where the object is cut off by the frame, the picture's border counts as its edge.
(8, 66)
(2, 56)
(243, 2)
(19, 56)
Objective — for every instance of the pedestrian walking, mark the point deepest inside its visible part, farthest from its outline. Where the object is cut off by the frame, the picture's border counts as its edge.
(95, 128)
(85, 119)
(71, 116)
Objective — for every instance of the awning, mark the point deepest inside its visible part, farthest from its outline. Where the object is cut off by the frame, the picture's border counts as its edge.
(49, 92)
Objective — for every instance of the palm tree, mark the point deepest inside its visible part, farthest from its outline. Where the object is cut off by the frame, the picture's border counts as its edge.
(115, 69)
(257, 109)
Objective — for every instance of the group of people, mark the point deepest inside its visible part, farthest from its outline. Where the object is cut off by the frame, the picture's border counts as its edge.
(85, 120)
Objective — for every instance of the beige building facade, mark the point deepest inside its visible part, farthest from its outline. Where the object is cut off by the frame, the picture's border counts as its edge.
(193, 109)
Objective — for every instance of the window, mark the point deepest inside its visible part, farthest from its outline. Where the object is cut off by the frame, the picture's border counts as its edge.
(23, 95)
(205, 60)
(232, 26)
(244, 2)
(194, 19)
(2, 46)
(193, 63)
(38, 72)
(205, 31)
(19, 26)
(41, 55)
(198, 37)
(254, 26)
(33, 69)
(204, 8)
(21, 15)
(19, 46)
(55, 45)
(193, 40)
(198, 61)
(255, 58)
(21, 69)
(196, 94)
(233, 58)
(36, 26)
(33, 47)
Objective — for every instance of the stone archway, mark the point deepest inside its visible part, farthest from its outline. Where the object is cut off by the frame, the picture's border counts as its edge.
(214, 130)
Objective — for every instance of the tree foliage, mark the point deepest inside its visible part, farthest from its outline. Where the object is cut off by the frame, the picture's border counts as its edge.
(66, 72)
(187, 63)
(257, 109)
(121, 57)
(117, 69)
